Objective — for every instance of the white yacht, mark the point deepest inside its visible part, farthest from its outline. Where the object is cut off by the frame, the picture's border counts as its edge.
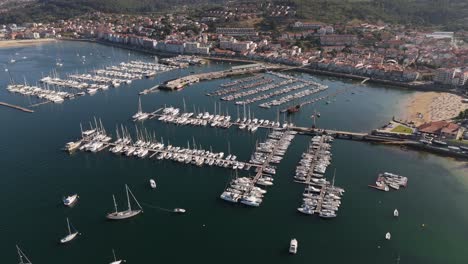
(293, 246)
(71, 146)
(388, 236)
(70, 200)
(179, 210)
(305, 209)
(152, 183)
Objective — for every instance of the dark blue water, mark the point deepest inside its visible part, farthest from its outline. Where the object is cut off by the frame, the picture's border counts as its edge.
(35, 174)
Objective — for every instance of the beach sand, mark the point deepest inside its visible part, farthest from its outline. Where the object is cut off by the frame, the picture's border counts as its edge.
(423, 107)
(22, 42)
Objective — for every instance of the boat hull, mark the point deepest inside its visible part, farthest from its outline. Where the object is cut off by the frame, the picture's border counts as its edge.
(68, 238)
(123, 215)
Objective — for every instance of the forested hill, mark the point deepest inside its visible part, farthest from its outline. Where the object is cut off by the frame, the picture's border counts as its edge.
(450, 13)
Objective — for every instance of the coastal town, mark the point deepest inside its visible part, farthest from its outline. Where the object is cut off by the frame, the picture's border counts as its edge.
(391, 54)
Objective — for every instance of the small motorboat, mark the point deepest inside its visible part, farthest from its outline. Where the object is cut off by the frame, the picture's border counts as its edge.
(152, 183)
(388, 236)
(293, 246)
(179, 210)
(70, 200)
(396, 213)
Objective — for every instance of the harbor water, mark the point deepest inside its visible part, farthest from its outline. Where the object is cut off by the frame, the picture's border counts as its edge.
(36, 174)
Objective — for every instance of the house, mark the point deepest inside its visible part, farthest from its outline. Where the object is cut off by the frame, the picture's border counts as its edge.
(440, 128)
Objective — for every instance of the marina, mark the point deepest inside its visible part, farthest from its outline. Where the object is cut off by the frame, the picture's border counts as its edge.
(97, 80)
(38, 175)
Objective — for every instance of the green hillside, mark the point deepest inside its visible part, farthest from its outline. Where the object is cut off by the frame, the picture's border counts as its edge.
(450, 14)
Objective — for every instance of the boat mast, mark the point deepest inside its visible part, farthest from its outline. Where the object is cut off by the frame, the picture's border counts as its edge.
(128, 199)
(21, 256)
(115, 204)
(134, 198)
(113, 253)
(139, 105)
(333, 181)
(68, 225)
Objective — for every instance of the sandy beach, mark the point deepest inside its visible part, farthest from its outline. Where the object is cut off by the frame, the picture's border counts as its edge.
(425, 107)
(22, 42)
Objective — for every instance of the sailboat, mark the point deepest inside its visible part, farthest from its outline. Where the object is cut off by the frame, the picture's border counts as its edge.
(127, 213)
(23, 259)
(115, 259)
(70, 235)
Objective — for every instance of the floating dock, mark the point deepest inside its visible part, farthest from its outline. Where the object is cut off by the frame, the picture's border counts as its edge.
(17, 107)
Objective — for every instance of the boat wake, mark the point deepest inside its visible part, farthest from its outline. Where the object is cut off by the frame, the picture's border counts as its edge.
(158, 208)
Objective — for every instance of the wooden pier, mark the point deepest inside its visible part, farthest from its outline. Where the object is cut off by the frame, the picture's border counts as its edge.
(17, 107)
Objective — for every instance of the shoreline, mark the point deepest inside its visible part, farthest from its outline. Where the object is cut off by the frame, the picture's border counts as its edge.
(428, 87)
(424, 107)
(23, 42)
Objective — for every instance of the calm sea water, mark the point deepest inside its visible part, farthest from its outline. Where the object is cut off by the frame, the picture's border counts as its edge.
(35, 174)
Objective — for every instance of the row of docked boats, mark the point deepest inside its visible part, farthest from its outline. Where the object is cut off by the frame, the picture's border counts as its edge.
(320, 196)
(315, 160)
(111, 76)
(243, 80)
(235, 89)
(386, 181)
(53, 95)
(87, 77)
(247, 190)
(96, 139)
(291, 97)
(91, 88)
(173, 115)
(285, 89)
(260, 89)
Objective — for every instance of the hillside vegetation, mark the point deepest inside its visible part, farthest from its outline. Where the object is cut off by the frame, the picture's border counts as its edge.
(450, 14)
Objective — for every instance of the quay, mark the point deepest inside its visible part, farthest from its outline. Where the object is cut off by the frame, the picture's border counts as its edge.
(17, 107)
(179, 83)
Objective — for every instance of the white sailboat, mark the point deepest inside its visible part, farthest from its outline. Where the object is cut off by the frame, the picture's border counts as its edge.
(152, 184)
(127, 213)
(396, 213)
(115, 259)
(70, 235)
(388, 236)
(23, 259)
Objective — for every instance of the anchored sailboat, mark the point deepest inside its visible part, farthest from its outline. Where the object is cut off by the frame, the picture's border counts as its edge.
(23, 259)
(70, 235)
(127, 213)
